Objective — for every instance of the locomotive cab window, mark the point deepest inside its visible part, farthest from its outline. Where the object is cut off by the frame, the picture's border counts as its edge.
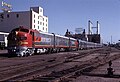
(24, 30)
(17, 29)
(31, 32)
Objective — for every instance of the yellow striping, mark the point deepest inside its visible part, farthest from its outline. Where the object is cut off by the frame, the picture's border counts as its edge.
(23, 43)
(44, 45)
(37, 41)
(56, 46)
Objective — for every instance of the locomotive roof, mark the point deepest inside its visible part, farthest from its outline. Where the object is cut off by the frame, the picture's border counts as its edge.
(61, 36)
(72, 38)
(46, 33)
(21, 27)
(55, 35)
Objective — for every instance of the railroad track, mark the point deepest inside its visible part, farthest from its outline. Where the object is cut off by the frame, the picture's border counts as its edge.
(74, 72)
(31, 67)
(27, 72)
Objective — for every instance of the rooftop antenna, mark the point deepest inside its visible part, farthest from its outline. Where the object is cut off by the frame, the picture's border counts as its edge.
(6, 7)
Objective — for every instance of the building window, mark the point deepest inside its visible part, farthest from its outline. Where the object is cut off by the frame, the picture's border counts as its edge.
(43, 28)
(17, 15)
(46, 24)
(8, 16)
(43, 19)
(34, 21)
(38, 22)
(38, 27)
(46, 29)
(46, 20)
(34, 26)
(43, 24)
(38, 17)
(34, 16)
(40, 10)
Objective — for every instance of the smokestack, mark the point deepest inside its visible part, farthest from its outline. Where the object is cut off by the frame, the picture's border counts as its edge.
(89, 27)
(98, 28)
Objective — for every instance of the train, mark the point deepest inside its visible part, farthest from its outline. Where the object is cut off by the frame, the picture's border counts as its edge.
(24, 42)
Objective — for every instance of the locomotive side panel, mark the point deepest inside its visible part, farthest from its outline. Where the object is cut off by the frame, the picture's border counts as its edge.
(45, 41)
(61, 42)
(72, 43)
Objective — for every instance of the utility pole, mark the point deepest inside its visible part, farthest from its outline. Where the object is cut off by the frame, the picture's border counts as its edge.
(111, 39)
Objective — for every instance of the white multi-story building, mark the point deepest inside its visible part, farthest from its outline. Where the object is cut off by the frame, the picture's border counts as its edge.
(33, 19)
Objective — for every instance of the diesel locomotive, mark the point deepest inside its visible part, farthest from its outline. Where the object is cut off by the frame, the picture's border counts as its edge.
(24, 42)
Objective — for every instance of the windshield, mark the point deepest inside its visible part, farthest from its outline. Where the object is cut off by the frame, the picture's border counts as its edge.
(24, 30)
(20, 29)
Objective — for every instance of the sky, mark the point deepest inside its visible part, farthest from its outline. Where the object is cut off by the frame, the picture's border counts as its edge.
(71, 14)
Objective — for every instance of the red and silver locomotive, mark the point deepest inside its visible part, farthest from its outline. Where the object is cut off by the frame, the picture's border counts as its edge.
(24, 42)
